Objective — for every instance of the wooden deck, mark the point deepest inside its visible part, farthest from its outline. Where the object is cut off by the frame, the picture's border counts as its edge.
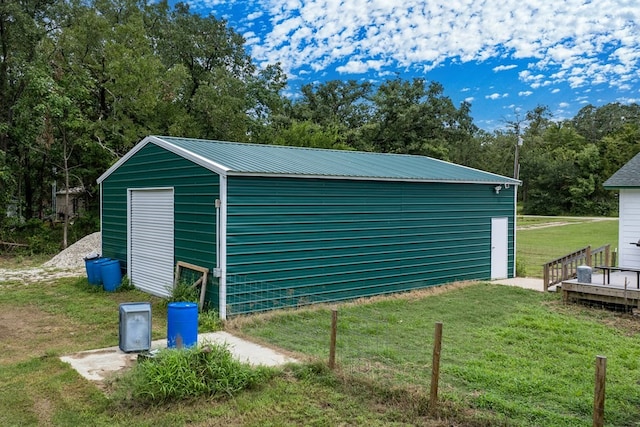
(598, 292)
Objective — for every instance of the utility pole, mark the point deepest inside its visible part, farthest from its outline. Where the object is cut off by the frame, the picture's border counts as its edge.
(516, 163)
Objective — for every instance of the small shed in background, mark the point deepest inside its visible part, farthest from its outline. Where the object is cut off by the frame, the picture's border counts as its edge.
(627, 181)
(282, 226)
(70, 202)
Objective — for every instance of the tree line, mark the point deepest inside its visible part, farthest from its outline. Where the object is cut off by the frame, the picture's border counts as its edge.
(82, 81)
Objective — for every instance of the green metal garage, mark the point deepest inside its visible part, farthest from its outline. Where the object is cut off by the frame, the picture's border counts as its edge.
(283, 226)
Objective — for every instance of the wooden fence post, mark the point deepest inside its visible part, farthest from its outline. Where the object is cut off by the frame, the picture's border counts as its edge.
(545, 275)
(435, 368)
(598, 398)
(332, 344)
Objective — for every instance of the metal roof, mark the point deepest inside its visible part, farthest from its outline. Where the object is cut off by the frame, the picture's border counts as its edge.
(234, 158)
(627, 176)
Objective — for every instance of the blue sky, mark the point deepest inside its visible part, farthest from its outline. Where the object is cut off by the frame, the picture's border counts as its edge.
(504, 57)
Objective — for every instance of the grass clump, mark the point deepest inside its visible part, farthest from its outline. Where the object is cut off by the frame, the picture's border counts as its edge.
(126, 285)
(209, 321)
(177, 374)
(184, 292)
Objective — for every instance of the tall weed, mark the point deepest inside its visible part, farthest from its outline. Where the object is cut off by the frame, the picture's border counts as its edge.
(175, 374)
(184, 292)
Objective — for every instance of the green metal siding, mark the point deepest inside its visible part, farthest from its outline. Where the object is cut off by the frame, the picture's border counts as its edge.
(292, 242)
(195, 192)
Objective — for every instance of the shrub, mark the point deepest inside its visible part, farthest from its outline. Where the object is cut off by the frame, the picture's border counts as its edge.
(175, 374)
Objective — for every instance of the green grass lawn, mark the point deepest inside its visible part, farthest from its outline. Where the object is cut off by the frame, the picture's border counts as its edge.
(42, 321)
(510, 356)
(537, 246)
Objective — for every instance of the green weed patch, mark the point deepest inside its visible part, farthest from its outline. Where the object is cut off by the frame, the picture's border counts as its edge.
(176, 374)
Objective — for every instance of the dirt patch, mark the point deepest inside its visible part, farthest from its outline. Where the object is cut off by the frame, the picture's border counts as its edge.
(555, 223)
(44, 409)
(27, 332)
(544, 225)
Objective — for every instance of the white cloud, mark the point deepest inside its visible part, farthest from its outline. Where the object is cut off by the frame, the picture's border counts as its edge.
(251, 39)
(525, 93)
(576, 40)
(496, 95)
(255, 15)
(504, 67)
(628, 100)
(360, 67)
(556, 90)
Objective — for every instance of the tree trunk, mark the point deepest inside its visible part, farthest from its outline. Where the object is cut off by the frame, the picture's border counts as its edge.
(28, 187)
(66, 196)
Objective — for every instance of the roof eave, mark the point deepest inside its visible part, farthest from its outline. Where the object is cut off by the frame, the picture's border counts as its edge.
(506, 181)
(620, 187)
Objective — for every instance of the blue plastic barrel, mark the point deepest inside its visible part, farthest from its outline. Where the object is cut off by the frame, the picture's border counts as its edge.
(111, 275)
(87, 265)
(95, 273)
(182, 324)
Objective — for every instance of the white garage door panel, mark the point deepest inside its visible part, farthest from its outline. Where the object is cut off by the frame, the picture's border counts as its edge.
(151, 240)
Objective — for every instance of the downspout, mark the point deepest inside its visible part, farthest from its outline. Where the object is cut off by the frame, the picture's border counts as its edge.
(101, 240)
(222, 248)
(217, 270)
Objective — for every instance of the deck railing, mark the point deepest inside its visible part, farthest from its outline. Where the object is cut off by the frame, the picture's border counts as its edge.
(566, 267)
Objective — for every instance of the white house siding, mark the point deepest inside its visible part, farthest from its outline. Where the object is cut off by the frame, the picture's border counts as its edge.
(629, 228)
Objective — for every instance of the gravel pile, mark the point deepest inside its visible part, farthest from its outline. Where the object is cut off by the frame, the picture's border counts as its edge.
(73, 256)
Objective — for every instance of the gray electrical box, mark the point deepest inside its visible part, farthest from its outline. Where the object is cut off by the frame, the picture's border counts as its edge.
(135, 326)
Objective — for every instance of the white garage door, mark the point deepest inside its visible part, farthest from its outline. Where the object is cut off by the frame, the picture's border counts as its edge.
(151, 240)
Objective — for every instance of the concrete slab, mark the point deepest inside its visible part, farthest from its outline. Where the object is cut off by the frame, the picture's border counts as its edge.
(96, 365)
(523, 282)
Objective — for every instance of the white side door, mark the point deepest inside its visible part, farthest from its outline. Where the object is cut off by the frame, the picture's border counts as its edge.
(499, 248)
(151, 240)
